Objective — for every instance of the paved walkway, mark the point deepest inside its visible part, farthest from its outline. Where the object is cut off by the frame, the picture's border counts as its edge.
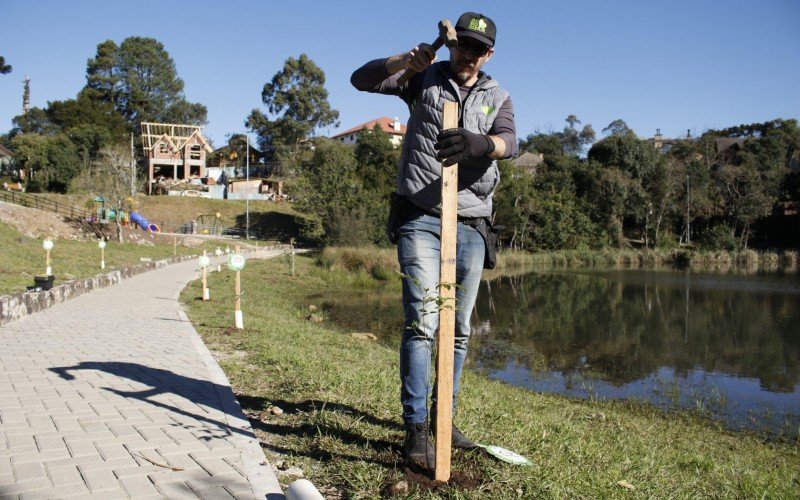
(113, 395)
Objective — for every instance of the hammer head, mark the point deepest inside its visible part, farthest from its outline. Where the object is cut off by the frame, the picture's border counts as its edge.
(447, 34)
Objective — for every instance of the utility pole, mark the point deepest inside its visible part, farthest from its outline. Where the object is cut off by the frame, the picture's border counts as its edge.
(247, 191)
(26, 96)
(133, 168)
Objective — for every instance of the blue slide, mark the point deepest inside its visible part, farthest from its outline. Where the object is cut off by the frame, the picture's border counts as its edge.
(143, 223)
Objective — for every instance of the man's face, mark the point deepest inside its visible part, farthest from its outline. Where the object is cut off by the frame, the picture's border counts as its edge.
(467, 58)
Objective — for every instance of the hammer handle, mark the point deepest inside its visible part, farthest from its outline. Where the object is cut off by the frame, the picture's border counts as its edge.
(405, 77)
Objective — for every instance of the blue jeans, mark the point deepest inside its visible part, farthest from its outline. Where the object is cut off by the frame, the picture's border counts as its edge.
(418, 253)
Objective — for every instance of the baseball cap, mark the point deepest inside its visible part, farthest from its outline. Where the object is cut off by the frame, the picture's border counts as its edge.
(476, 26)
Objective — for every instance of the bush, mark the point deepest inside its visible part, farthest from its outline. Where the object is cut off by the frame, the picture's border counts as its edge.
(717, 236)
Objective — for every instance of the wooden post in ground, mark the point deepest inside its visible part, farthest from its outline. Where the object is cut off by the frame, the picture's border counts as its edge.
(447, 309)
(237, 309)
(206, 295)
(174, 246)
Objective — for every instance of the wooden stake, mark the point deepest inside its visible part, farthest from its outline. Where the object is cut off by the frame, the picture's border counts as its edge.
(237, 309)
(174, 246)
(447, 309)
(205, 282)
(102, 258)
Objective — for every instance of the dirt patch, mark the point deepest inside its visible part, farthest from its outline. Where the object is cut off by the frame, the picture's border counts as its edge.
(417, 479)
(39, 224)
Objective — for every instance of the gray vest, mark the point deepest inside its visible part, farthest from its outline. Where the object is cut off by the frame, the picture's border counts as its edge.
(419, 177)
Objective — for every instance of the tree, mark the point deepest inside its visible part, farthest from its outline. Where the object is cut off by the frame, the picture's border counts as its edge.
(617, 127)
(515, 203)
(51, 160)
(35, 121)
(139, 79)
(330, 189)
(645, 170)
(575, 141)
(539, 142)
(112, 179)
(4, 68)
(377, 160)
(85, 110)
(570, 141)
(297, 103)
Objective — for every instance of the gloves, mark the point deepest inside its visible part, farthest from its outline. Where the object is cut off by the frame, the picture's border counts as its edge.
(457, 144)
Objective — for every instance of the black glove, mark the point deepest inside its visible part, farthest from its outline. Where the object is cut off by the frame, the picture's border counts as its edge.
(457, 144)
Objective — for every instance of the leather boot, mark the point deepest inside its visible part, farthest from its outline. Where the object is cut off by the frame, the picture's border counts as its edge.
(417, 447)
(459, 440)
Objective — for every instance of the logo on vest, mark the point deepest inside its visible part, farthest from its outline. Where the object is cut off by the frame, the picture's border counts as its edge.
(487, 110)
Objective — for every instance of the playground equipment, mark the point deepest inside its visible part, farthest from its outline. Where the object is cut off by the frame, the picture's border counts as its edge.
(143, 223)
(208, 224)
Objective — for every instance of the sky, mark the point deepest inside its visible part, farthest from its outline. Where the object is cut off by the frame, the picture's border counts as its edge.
(674, 66)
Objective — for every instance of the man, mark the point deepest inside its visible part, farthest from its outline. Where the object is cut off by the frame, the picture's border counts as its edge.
(486, 133)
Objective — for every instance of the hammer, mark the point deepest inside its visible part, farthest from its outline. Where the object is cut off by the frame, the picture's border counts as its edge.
(447, 36)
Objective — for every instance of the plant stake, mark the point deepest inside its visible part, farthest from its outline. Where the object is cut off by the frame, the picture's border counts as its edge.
(236, 263)
(102, 245)
(204, 260)
(47, 245)
(447, 311)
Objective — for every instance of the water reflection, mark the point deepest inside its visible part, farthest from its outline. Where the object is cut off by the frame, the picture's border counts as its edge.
(727, 345)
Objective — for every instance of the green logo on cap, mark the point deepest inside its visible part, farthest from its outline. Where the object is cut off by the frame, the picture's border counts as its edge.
(477, 24)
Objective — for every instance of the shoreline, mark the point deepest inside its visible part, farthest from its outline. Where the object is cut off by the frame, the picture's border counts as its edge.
(325, 401)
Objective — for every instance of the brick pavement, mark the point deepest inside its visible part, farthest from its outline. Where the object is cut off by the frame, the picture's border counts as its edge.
(114, 395)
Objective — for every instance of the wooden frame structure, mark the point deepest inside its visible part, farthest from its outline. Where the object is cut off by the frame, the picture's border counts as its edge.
(174, 151)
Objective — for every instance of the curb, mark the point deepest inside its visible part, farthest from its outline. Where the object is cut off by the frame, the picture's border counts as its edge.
(18, 305)
(258, 469)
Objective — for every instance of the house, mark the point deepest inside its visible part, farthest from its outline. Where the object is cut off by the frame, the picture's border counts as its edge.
(394, 128)
(663, 145)
(174, 151)
(6, 158)
(234, 156)
(528, 161)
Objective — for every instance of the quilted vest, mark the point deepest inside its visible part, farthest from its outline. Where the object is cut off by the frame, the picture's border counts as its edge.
(419, 176)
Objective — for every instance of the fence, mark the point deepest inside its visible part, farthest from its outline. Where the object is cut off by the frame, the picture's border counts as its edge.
(33, 201)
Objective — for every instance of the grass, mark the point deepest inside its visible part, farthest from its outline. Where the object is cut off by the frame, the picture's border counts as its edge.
(268, 219)
(23, 257)
(745, 261)
(341, 425)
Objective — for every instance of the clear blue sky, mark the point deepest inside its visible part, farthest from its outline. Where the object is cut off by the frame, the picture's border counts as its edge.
(671, 65)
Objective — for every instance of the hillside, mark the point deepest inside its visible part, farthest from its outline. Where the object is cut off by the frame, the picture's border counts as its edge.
(275, 221)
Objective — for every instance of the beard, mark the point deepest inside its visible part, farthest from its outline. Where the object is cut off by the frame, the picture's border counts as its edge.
(462, 77)
(462, 73)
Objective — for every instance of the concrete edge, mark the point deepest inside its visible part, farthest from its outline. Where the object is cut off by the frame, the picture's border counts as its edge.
(20, 304)
(258, 470)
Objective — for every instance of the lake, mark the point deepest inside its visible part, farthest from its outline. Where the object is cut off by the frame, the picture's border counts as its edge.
(726, 345)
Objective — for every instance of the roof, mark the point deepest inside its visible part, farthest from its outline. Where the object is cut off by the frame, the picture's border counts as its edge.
(178, 134)
(725, 143)
(528, 159)
(5, 152)
(165, 138)
(202, 140)
(386, 124)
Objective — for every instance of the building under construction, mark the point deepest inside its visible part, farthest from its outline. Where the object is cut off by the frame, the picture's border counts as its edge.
(174, 152)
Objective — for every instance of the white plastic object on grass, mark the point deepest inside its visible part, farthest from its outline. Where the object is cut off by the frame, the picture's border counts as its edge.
(506, 455)
(302, 489)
